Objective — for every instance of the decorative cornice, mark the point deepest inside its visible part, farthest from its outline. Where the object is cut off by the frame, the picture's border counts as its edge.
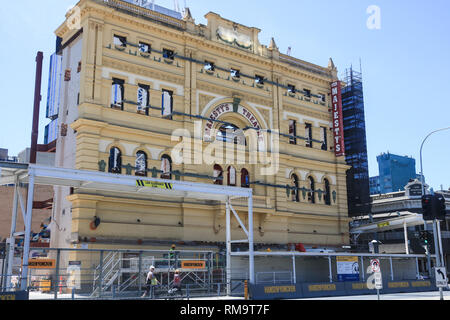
(143, 71)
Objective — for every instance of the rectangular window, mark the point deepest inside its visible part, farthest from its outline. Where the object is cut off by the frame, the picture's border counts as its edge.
(145, 47)
(321, 96)
(120, 41)
(324, 131)
(308, 135)
(259, 80)
(291, 89)
(292, 131)
(143, 98)
(307, 93)
(209, 66)
(117, 93)
(167, 104)
(235, 73)
(168, 54)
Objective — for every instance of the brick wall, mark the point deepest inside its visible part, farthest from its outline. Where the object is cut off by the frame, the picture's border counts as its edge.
(42, 193)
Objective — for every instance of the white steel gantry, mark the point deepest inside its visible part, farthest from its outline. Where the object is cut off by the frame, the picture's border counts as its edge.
(15, 174)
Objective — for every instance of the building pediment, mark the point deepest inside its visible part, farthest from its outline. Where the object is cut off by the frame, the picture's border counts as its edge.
(232, 33)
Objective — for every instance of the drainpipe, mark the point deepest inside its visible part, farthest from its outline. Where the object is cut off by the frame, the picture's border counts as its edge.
(37, 102)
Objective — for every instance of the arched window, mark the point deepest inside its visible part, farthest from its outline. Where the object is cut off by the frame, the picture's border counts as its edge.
(231, 176)
(327, 193)
(245, 178)
(312, 192)
(141, 164)
(295, 193)
(115, 161)
(231, 134)
(218, 173)
(166, 167)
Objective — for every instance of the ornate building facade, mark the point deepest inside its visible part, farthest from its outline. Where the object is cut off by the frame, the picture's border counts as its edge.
(133, 76)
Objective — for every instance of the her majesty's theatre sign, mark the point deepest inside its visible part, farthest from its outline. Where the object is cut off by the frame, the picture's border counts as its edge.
(227, 108)
(338, 119)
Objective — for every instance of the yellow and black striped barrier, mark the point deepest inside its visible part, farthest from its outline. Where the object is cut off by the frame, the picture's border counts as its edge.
(151, 184)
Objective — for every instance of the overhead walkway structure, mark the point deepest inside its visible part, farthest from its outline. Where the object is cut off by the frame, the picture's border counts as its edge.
(19, 174)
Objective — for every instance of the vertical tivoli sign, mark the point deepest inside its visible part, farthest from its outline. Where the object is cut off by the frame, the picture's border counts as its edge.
(338, 122)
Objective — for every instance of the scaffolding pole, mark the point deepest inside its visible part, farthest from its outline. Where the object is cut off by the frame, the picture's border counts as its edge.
(228, 240)
(26, 245)
(12, 239)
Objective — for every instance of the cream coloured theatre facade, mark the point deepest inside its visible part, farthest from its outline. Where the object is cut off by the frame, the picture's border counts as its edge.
(131, 77)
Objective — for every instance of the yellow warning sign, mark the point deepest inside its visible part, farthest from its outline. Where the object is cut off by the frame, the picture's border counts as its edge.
(151, 184)
(193, 265)
(42, 264)
(384, 224)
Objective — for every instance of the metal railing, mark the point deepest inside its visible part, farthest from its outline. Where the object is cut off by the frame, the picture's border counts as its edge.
(119, 274)
(276, 277)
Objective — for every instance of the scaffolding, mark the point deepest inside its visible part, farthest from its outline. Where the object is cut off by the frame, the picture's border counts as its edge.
(355, 144)
(15, 174)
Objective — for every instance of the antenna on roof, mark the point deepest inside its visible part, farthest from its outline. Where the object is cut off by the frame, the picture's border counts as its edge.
(289, 51)
(176, 6)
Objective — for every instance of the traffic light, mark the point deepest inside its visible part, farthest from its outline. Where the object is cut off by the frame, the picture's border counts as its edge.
(425, 238)
(433, 207)
(439, 204)
(427, 207)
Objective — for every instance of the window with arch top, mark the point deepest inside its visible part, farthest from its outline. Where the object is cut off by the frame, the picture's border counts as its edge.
(327, 192)
(218, 173)
(231, 176)
(295, 193)
(245, 178)
(312, 192)
(231, 134)
(166, 167)
(141, 164)
(115, 161)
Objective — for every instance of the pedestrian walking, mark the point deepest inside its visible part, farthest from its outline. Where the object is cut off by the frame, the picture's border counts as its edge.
(150, 283)
(177, 282)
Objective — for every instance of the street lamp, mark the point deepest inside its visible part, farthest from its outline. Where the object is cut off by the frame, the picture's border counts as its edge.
(436, 225)
(421, 162)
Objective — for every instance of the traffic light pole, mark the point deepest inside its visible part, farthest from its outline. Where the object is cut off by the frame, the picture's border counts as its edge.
(428, 253)
(421, 159)
(437, 248)
(437, 229)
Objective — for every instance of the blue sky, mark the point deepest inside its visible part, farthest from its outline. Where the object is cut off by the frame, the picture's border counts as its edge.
(405, 64)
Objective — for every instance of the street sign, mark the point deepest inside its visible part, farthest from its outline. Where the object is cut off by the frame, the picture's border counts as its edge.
(441, 277)
(347, 268)
(378, 281)
(375, 265)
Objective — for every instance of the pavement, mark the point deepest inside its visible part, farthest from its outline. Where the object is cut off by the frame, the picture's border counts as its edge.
(384, 297)
(434, 295)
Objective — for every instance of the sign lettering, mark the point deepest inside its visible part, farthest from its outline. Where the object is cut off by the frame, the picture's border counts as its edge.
(41, 264)
(193, 265)
(338, 119)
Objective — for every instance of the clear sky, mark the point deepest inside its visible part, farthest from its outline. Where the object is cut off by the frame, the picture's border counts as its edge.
(405, 63)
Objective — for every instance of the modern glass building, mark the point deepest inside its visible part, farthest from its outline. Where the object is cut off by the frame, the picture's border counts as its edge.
(374, 183)
(358, 192)
(395, 172)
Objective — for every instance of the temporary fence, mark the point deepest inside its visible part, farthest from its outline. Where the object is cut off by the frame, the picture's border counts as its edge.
(118, 274)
